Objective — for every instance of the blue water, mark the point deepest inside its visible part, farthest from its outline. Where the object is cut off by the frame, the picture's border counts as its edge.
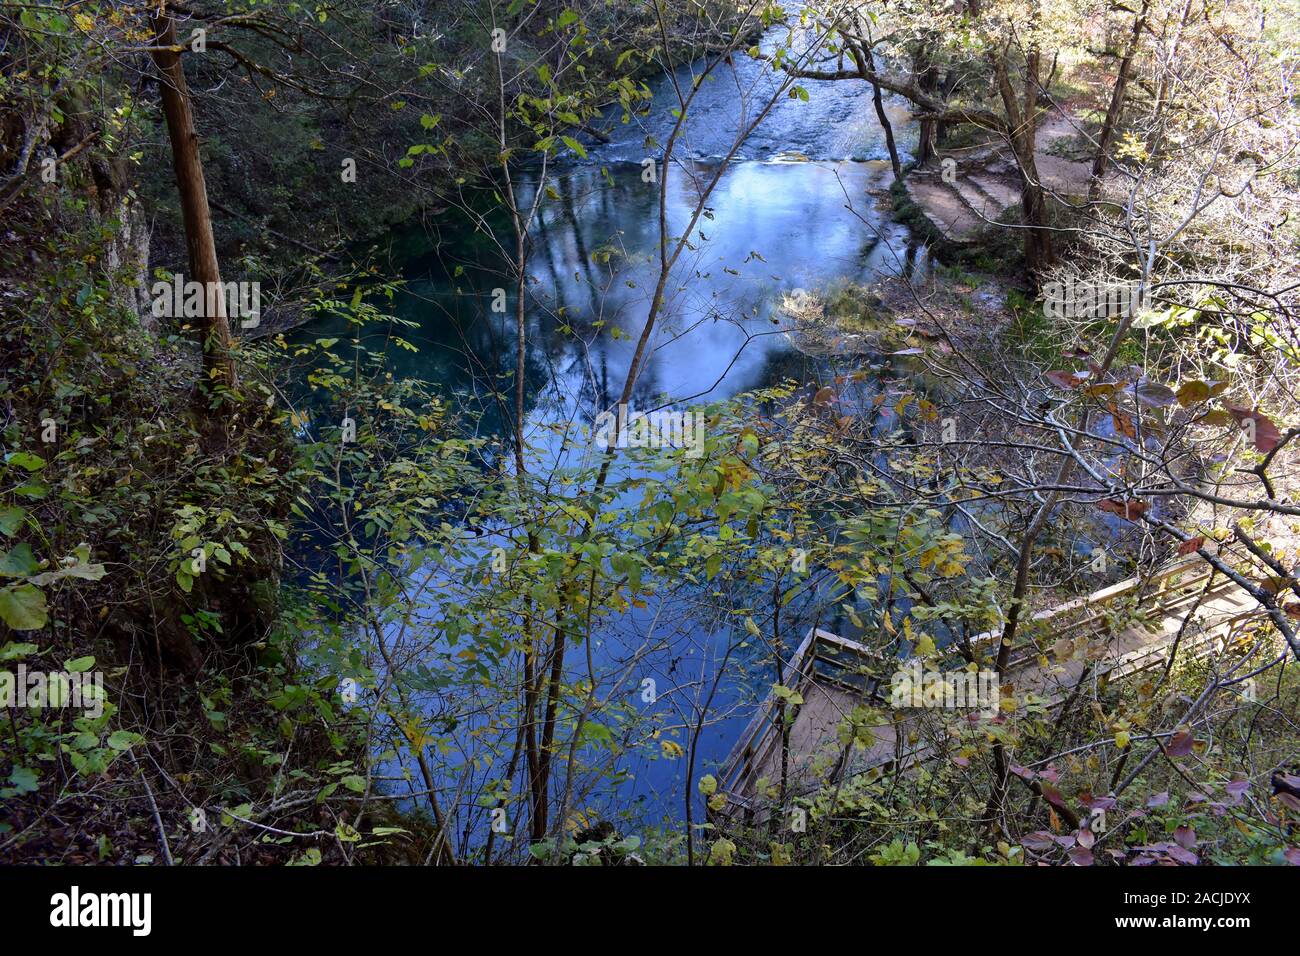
(796, 210)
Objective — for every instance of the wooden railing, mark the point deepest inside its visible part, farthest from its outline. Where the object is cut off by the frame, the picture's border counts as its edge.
(821, 657)
(830, 659)
(1168, 589)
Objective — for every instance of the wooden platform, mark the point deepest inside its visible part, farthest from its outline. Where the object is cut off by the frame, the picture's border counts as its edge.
(835, 675)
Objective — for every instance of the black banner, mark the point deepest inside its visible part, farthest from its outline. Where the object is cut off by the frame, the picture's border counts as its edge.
(140, 906)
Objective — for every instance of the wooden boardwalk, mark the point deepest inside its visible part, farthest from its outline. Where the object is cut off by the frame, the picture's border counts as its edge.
(835, 675)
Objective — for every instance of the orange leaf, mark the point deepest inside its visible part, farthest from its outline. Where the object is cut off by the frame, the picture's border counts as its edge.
(1131, 510)
(1066, 379)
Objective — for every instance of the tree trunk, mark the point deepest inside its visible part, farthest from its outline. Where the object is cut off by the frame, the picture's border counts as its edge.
(876, 98)
(1116, 107)
(947, 87)
(218, 362)
(1039, 251)
(927, 78)
(1162, 97)
(1022, 136)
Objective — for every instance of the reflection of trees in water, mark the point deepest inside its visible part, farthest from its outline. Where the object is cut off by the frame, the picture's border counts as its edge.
(592, 264)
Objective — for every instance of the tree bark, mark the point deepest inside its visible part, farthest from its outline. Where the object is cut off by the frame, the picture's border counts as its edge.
(1022, 136)
(218, 362)
(1116, 106)
(927, 79)
(866, 59)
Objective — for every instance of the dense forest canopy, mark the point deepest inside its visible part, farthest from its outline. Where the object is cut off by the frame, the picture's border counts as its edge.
(629, 432)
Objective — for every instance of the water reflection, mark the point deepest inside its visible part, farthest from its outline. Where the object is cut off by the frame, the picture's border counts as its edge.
(773, 225)
(772, 228)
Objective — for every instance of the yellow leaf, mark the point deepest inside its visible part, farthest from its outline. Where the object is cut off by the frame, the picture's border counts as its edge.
(721, 852)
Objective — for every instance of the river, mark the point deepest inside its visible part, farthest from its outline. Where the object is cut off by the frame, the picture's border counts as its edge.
(796, 209)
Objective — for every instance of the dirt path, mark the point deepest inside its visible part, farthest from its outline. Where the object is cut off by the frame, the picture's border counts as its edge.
(975, 191)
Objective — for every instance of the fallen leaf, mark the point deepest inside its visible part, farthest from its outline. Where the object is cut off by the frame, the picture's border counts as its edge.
(1123, 422)
(1131, 510)
(1182, 855)
(1067, 380)
(1038, 841)
(1080, 856)
(1180, 744)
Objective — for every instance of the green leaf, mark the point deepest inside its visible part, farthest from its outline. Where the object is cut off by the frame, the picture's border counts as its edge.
(574, 145)
(24, 780)
(10, 520)
(77, 665)
(309, 857)
(75, 565)
(18, 563)
(25, 460)
(14, 652)
(124, 739)
(346, 833)
(792, 697)
(712, 565)
(354, 783)
(23, 607)
(722, 852)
